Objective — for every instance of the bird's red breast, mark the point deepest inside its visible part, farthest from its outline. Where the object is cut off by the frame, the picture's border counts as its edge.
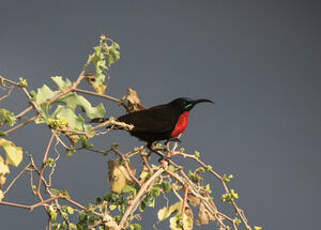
(181, 124)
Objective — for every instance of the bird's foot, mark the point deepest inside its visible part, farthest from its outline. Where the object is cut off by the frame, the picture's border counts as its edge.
(176, 140)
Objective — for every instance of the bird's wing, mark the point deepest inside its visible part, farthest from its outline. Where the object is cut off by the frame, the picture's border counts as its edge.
(157, 119)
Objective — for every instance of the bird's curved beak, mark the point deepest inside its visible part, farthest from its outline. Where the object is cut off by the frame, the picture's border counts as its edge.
(194, 102)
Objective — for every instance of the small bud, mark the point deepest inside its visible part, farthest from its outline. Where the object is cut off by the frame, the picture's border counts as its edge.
(23, 82)
(234, 194)
(208, 167)
(103, 37)
(237, 221)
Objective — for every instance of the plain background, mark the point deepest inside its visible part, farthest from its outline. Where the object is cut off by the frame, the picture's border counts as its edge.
(259, 61)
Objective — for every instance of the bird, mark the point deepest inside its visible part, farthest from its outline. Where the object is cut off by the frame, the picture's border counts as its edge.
(161, 122)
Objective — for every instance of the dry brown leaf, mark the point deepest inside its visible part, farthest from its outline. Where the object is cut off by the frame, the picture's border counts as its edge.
(2, 82)
(1, 195)
(133, 101)
(193, 200)
(99, 88)
(116, 176)
(188, 219)
(71, 136)
(119, 176)
(165, 212)
(204, 216)
(3, 180)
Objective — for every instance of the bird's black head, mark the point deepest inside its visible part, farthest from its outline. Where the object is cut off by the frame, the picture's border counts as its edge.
(186, 103)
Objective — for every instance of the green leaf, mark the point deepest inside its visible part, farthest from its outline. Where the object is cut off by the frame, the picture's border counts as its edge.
(58, 192)
(70, 210)
(3, 134)
(54, 191)
(155, 191)
(13, 153)
(7, 116)
(112, 207)
(73, 100)
(62, 84)
(142, 206)
(150, 203)
(136, 226)
(129, 189)
(166, 186)
(73, 226)
(52, 212)
(66, 109)
(43, 94)
(171, 168)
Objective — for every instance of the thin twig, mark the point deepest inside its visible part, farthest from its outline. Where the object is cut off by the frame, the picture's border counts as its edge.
(32, 207)
(16, 178)
(72, 131)
(14, 205)
(9, 93)
(2, 78)
(184, 203)
(44, 163)
(21, 114)
(110, 98)
(21, 124)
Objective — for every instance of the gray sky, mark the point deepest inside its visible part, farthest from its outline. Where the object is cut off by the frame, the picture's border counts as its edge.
(259, 61)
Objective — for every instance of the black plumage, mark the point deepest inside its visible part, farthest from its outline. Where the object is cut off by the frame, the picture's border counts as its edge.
(158, 122)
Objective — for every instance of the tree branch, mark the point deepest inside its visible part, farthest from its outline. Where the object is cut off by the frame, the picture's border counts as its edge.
(143, 190)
